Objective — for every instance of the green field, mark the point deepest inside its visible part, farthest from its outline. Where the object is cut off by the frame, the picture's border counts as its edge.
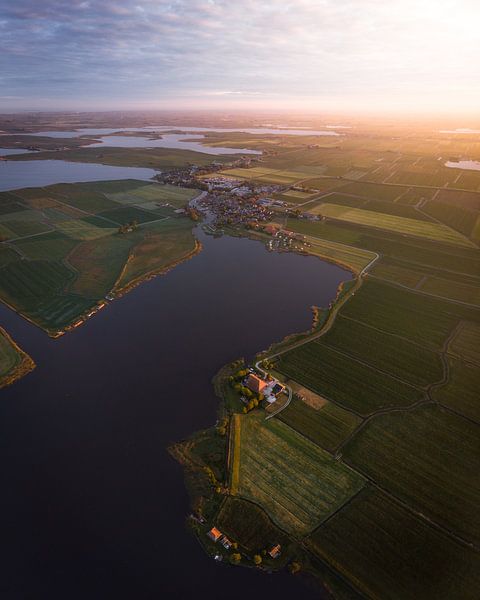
(265, 175)
(327, 426)
(402, 225)
(280, 469)
(428, 458)
(14, 363)
(388, 552)
(392, 354)
(422, 319)
(159, 194)
(344, 380)
(373, 191)
(461, 392)
(68, 252)
(348, 256)
(249, 525)
(466, 342)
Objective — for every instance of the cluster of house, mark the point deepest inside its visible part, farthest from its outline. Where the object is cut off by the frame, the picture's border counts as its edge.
(217, 536)
(269, 388)
(236, 210)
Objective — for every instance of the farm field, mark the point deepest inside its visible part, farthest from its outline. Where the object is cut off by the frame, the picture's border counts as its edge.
(388, 552)
(265, 175)
(328, 426)
(466, 342)
(403, 225)
(451, 289)
(422, 319)
(412, 363)
(375, 191)
(14, 363)
(352, 258)
(428, 458)
(460, 393)
(344, 380)
(78, 255)
(249, 525)
(280, 470)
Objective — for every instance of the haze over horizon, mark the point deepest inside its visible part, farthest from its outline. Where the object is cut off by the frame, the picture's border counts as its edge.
(364, 55)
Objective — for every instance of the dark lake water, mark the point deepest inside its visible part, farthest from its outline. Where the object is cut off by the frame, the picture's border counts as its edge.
(92, 506)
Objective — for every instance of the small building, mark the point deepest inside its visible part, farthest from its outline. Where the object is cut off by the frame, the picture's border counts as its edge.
(255, 384)
(214, 534)
(271, 229)
(277, 388)
(275, 551)
(226, 543)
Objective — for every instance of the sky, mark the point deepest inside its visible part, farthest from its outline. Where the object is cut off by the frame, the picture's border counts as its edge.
(316, 55)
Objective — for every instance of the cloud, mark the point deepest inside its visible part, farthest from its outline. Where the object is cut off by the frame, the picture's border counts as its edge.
(140, 49)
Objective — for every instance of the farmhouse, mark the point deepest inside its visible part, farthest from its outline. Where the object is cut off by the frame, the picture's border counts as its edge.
(214, 534)
(275, 551)
(255, 384)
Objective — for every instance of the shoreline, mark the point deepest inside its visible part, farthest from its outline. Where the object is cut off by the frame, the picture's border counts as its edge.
(26, 365)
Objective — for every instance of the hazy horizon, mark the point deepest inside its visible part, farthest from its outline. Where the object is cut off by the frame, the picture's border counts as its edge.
(365, 56)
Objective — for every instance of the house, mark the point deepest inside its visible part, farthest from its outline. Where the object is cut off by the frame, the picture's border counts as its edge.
(275, 551)
(255, 384)
(226, 543)
(214, 534)
(271, 229)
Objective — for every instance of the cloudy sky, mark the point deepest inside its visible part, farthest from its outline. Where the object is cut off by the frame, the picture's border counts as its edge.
(315, 54)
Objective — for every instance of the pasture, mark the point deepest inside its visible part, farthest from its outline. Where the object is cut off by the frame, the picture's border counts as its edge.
(428, 458)
(345, 381)
(353, 258)
(461, 392)
(280, 470)
(390, 353)
(249, 525)
(67, 252)
(328, 426)
(402, 225)
(388, 552)
(466, 342)
(422, 319)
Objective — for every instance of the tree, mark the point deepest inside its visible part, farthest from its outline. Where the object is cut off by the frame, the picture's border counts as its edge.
(294, 567)
(245, 410)
(235, 557)
(257, 559)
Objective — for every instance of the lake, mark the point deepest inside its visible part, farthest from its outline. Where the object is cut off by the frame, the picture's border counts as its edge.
(159, 128)
(182, 141)
(33, 173)
(467, 165)
(10, 151)
(92, 505)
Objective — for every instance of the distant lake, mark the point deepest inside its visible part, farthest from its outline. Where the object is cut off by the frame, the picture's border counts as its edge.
(10, 151)
(33, 173)
(92, 505)
(468, 165)
(253, 130)
(460, 130)
(169, 140)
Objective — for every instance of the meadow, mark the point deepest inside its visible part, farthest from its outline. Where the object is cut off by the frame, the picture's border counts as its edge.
(345, 381)
(403, 225)
(428, 458)
(280, 470)
(328, 426)
(69, 253)
(14, 363)
(388, 552)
